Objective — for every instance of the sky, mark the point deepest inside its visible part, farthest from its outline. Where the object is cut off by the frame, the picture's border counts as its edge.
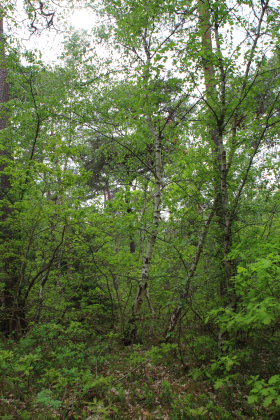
(50, 42)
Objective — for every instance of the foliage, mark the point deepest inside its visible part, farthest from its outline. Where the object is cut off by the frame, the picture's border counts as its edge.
(139, 214)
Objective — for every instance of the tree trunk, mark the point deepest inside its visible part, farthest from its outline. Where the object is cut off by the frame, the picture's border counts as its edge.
(12, 319)
(217, 143)
(178, 311)
(143, 285)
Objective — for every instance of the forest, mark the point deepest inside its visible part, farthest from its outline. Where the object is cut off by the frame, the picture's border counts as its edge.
(139, 211)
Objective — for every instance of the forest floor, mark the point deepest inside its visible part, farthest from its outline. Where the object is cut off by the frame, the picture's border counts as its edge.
(71, 380)
(156, 389)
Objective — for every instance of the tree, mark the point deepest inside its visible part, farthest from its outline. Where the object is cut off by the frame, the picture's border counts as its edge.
(224, 120)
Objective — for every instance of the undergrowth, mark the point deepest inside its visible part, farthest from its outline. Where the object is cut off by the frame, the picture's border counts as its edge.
(58, 372)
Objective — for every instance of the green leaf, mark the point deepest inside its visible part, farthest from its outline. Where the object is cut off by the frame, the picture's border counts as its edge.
(252, 399)
(268, 401)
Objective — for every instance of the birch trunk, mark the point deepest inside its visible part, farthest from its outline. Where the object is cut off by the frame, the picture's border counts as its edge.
(221, 203)
(143, 285)
(217, 142)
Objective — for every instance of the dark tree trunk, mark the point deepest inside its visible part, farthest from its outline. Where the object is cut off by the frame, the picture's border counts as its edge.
(12, 320)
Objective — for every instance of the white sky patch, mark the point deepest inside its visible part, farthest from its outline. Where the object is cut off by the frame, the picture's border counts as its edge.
(83, 19)
(49, 42)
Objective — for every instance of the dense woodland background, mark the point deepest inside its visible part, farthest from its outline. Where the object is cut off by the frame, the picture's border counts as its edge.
(139, 212)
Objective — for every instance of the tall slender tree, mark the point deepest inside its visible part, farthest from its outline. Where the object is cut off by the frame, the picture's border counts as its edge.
(11, 319)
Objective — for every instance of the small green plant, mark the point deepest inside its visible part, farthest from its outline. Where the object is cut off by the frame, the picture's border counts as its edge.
(99, 387)
(167, 395)
(186, 408)
(46, 398)
(199, 407)
(96, 410)
(266, 393)
(118, 394)
(163, 353)
(149, 396)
